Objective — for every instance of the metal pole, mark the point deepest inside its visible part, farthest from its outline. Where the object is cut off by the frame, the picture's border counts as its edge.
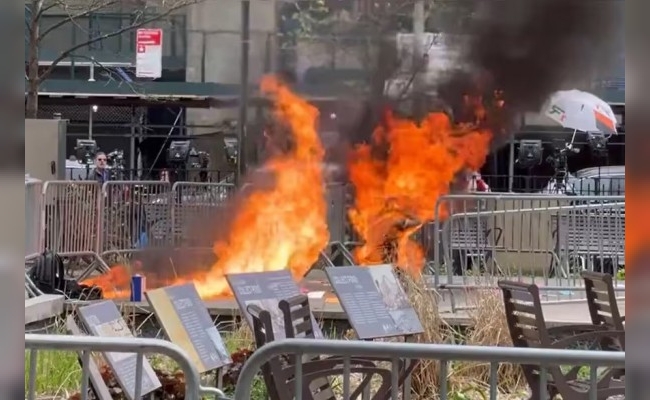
(418, 59)
(511, 164)
(243, 88)
(91, 74)
(132, 145)
(90, 122)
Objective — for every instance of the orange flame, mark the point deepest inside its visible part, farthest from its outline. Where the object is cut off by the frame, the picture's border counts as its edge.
(276, 227)
(397, 193)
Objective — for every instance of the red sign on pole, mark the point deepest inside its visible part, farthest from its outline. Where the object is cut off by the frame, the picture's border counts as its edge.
(148, 59)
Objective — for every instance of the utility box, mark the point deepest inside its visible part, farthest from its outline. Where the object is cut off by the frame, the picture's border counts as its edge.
(45, 148)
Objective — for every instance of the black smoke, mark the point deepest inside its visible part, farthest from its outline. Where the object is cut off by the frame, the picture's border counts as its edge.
(531, 48)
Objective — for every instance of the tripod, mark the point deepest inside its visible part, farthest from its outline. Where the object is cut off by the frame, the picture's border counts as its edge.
(559, 181)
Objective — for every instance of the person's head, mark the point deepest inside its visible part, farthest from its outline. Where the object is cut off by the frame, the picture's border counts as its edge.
(100, 161)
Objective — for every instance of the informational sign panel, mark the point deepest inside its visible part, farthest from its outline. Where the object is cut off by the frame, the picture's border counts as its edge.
(374, 301)
(99, 388)
(148, 58)
(104, 319)
(266, 289)
(186, 321)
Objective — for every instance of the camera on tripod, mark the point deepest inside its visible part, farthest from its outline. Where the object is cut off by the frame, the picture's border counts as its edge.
(529, 154)
(85, 150)
(559, 159)
(115, 161)
(231, 148)
(183, 158)
(178, 153)
(598, 144)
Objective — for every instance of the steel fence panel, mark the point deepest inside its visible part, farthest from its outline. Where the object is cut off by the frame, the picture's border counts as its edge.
(139, 346)
(444, 353)
(194, 204)
(478, 237)
(137, 214)
(591, 235)
(33, 216)
(71, 216)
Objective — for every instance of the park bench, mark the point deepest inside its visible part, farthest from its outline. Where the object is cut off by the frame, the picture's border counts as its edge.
(297, 324)
(278, 373)
(527, 328)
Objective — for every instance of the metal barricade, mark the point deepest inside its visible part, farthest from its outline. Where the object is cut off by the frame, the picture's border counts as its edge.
(445, 354)
(478, 237)
(85, 345)
(587, 238)
(71, 216)
(136, 214)
(196, 205)
(33, 216)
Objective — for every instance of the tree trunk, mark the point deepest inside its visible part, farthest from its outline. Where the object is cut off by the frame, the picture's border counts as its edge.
(31, 108)
(31, 105)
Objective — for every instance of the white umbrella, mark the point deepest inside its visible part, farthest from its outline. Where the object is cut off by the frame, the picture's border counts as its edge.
(581, 111)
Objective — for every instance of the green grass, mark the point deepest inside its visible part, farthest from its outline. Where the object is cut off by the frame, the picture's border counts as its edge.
(58, 373)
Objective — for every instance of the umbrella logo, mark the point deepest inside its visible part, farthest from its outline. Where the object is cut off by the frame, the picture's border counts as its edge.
(559, 111)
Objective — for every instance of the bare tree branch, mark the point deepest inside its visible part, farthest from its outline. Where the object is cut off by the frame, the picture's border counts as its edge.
(135, 25)
(142, 12)
(72, 18)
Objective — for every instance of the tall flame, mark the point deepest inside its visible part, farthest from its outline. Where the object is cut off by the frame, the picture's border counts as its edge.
(278, 226)
(284, 226)
(396, 190)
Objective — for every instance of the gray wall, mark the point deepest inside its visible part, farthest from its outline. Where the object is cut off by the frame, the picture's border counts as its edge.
(213, 54)
(44, 144)
(215, 25)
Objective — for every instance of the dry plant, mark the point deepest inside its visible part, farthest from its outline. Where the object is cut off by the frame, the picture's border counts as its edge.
(488, 327)
(426, 377)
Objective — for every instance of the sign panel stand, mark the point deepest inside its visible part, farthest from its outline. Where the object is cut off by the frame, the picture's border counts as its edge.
(374, 301)
(97, 384)
(104, 319)
(187, 323)
(266, 289)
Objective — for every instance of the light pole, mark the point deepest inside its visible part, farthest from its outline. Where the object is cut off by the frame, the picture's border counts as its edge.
(243, 91)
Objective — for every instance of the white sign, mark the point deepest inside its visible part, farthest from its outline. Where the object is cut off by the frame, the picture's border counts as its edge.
(148, 59)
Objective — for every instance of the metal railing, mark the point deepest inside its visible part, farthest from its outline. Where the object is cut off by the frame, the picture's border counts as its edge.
(71, 216)
(86, 345)
(445, 354)
(84, 217)
(136, 214)
(81, 216)
(474, 238)
(477, 238)
(33, 206)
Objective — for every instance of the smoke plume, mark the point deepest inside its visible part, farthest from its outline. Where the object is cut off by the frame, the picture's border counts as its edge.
(530, 48)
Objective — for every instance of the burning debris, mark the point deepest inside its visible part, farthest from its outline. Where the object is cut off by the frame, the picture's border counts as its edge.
(396, 190)
(281, 223)
(397, 179)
